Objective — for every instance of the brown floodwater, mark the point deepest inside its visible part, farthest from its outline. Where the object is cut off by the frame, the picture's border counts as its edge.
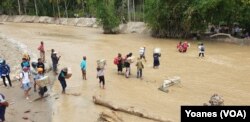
(224, 70)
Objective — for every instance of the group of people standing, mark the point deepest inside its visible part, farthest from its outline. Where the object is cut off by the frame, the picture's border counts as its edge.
(182, 46)
(26, 77)
(128, 60)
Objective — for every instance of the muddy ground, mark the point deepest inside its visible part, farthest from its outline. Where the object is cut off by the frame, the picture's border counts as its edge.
(224, 70)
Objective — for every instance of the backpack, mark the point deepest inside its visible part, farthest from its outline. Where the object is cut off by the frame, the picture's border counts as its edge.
(23, 75)
(5, 69)
(116, 61)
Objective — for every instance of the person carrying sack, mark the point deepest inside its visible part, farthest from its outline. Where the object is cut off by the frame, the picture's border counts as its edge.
(62, 80)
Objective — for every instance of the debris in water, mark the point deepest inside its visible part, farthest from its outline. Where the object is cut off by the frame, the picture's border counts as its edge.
(27, 111)
(215, 100)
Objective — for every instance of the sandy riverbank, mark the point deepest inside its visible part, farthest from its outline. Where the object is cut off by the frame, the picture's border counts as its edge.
(40, 111)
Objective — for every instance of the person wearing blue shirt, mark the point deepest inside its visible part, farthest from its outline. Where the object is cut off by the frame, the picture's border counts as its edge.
(83, 68)
(4, 73)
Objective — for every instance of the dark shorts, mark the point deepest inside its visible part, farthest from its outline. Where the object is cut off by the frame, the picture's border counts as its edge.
(83, 71)
(54, 66)
(156, 62)
(119, 66)
(102, 80)
(2, 113)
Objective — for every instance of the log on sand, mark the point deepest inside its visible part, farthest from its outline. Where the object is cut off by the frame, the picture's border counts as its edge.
(221, 34)
(130, 110)
(109, 116)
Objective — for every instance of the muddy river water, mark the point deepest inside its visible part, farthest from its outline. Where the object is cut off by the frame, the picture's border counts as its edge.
(224, 70)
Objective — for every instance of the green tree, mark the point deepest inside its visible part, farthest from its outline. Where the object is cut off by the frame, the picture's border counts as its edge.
(107, 15)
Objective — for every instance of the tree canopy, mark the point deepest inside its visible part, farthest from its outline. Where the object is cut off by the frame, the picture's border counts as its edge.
(178, 18)
(166, 18)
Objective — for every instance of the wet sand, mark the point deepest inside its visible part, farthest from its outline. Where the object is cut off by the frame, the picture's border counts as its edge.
(39, 111)
(224, 70)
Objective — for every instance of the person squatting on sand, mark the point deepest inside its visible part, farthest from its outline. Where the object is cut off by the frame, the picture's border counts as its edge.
(25, 78)
(83, 67)
(5, 72)
(42, 51)
(61, 77)
(55, 59)
(3, 105)
(100, 75)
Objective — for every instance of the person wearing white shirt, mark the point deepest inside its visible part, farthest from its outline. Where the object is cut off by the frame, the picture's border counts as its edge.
(142, 53)
(201, 50)
(100, 75)
(25, 81)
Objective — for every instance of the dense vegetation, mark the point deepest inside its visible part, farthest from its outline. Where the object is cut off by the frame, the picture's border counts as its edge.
(166, 18)
(179, 18)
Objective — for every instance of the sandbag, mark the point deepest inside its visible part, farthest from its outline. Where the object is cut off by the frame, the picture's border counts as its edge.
(130, 59)
(101, 63)
(157, 51)
(69, 73)
(43, 81)
(141, 51)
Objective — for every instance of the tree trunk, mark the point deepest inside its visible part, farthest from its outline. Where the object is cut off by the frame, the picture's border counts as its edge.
(53, 7)
(36, 7)
(143, 10)
(19, 7)
(58, 8)
(128, 12)
(129, 110)
(83, 7)
(66, 11)
(134, 9)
